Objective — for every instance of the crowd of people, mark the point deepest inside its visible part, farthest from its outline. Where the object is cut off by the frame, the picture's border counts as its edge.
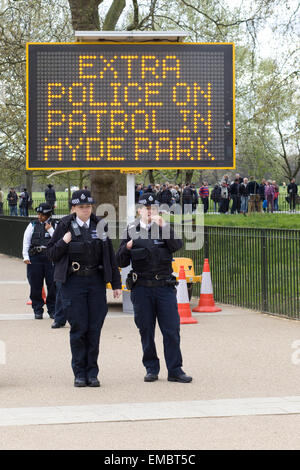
(242, 195)
(24, 200)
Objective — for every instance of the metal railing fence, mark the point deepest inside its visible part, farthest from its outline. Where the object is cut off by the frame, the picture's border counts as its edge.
(250, 267)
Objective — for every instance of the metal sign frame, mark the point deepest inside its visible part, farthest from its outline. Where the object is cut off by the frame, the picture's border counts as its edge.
(32, 162)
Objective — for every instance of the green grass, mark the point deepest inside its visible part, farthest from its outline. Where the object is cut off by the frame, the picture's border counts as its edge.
(263, 220)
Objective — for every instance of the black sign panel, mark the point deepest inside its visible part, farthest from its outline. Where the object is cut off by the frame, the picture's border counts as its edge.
(130, 106)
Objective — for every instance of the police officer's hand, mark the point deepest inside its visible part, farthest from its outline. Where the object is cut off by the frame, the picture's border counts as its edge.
(67, 237)
(129, 245)
(158, 220)
(47, 226)
(27, 261)
(117, 293)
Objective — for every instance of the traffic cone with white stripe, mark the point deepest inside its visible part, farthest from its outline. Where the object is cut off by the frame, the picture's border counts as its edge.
(206, 301)
(183, 302)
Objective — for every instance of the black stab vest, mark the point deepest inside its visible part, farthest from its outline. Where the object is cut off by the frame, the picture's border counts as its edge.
(40, 236)
(151, 255)
(85, 247)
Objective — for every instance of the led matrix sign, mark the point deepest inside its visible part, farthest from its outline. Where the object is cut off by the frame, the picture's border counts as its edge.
(122, 106)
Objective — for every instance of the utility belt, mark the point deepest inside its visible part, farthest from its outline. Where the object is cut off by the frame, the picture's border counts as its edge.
(37, 250)
(159, 280)
(82, 270)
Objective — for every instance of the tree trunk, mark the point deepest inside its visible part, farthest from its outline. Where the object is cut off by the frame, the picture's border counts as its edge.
(29, 181)
(113, 15)
(85, 16)
(188, 176)
(151, 177)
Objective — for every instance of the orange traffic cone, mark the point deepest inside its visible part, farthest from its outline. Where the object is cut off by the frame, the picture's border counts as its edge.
(183, 303)
(43, 296)
(206, 301)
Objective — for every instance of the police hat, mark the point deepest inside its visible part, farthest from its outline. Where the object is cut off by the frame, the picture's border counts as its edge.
(147, 199)
(44, 208)
(82, 196)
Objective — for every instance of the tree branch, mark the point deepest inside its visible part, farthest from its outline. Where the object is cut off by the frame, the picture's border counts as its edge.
(113, 15)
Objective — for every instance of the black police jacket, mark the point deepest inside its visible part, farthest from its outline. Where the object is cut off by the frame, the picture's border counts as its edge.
(57, 251)
(149, 256)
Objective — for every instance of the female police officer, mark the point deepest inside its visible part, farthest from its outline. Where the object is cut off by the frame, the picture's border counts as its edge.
(84, 263)
(149, 245)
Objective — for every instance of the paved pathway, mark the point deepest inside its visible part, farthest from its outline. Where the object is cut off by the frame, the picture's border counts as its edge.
(245, 393)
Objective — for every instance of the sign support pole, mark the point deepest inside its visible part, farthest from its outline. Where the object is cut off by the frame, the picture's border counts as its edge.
(130, 184)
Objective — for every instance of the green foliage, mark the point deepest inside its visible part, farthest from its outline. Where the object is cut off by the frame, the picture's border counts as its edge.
(267, 97)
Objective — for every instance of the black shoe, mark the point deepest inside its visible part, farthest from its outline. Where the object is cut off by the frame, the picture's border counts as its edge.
(150, 377)
(183, 378)
(93, 382)
(78, 382)
(56, 325)
(38, 316)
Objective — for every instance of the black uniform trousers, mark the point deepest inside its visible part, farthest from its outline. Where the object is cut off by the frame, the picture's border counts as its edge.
(39, 269)
(84, 301)
(151, 303)
(60, 316)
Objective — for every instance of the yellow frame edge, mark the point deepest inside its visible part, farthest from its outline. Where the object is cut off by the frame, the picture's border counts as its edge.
(131, 168)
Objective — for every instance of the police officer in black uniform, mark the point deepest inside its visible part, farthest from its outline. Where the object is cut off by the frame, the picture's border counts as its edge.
(35, 241)
(149, 245)
(84, 262)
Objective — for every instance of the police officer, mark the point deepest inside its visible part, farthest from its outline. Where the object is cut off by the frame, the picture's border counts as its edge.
(84, 262)
(149, 245)
(35, 241)
(60, 318)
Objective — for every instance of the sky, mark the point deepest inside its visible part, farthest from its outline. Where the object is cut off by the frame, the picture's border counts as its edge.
(268, 44)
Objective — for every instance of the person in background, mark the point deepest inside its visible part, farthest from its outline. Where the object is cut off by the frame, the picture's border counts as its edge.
(262, 196)
(204, 195)
(269, 192)
(23, 203)
(195, 198)
(276, 194)
(50, 196)
(292, 191)
(235, 196)
(187, 199)
(138, 191)
(216, 197)
(12, 198)
(238, 177)
(244, 192)
(1, 201)
(164, 197)
(253, 188)
(224, 198)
